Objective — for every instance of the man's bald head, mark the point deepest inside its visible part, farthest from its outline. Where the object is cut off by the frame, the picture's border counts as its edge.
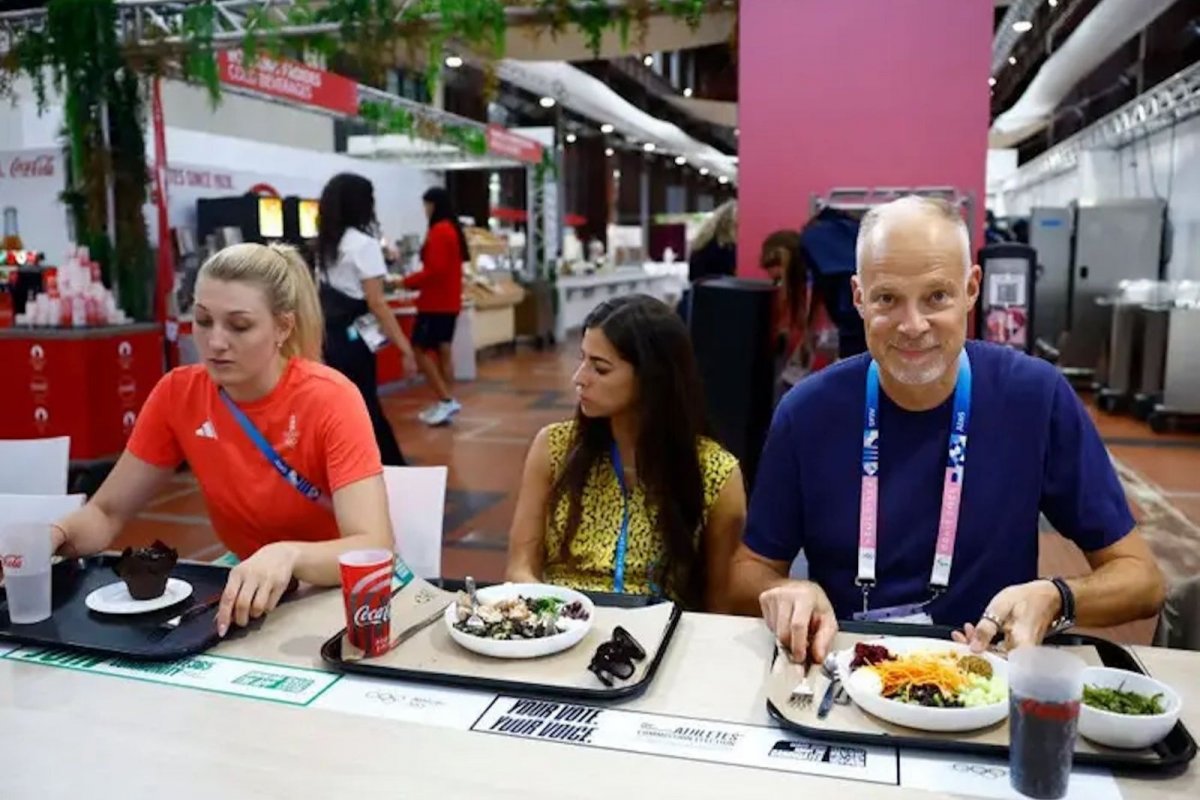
(908, 212)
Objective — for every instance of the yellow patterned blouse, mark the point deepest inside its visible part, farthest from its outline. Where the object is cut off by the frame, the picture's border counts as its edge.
(593, 549)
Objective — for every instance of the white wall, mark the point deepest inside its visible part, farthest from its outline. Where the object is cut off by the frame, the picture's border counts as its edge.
(186, 106)
(1153, 167)
(208, 165)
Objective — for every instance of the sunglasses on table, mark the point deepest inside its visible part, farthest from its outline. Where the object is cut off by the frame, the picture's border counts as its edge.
(614, 659)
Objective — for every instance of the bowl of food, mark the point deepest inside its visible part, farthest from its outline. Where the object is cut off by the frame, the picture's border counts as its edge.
(1126, 710)
(926, 684)
(520, 620)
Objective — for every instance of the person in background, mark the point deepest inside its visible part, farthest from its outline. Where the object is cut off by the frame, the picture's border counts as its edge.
(440, 283)
(713, 252)
(631, 496)
(358, 319)
(936, 528)
(784, 264)
(258, 330)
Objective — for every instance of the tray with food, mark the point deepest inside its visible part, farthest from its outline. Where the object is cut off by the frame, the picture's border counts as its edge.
(141, 604)
(911, 686)
(527, 638)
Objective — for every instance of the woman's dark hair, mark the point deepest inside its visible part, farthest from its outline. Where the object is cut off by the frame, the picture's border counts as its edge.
(782, 248)
(671, 416)
(443, 211)
(347, 201)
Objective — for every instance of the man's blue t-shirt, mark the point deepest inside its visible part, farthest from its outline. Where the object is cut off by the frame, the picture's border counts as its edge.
(1030, 447)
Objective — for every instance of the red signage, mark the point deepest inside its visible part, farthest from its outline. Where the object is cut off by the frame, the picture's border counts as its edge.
(290, 80)
(503, 142)
(34, 166)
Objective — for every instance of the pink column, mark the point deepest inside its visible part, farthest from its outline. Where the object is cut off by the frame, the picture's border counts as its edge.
(857, 93)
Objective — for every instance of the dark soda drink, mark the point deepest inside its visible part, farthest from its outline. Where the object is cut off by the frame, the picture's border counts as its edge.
(1041, 746)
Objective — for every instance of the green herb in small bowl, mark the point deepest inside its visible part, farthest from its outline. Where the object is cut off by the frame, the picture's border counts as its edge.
(1122, 701)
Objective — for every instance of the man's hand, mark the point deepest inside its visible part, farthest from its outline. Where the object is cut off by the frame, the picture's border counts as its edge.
(801, 617)
(1022, 613)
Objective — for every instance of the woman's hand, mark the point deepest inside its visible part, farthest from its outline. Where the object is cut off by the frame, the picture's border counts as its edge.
(256, 585)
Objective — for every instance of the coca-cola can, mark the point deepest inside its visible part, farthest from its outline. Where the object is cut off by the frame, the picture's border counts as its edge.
(367, 594)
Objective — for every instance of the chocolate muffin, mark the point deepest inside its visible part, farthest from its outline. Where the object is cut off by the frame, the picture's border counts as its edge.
(146, 569)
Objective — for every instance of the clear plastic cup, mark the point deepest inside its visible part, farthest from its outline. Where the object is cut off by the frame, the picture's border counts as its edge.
(25, 556)
(1045, 688)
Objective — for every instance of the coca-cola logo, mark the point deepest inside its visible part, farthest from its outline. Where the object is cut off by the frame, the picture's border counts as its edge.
(127, 390)
(12, 560)
(41, 418)
(37, 357)
(32, 167)
(127, 420)
(125, 354)
(40, 388)
(365, 616)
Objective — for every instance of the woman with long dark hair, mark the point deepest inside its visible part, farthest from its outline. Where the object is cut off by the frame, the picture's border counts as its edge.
(352, 271)
(631, 496)
(440, 283)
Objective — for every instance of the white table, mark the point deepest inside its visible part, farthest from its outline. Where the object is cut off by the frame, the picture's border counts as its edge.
(69, 734)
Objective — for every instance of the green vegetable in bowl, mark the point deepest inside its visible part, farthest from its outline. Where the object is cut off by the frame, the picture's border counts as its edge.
(1120, 701)
(545, 605)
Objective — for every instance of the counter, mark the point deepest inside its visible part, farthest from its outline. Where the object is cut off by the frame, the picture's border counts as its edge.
(579, 294)
(86, 383)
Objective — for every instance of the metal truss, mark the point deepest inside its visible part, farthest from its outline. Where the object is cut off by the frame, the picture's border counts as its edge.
(1006, 37)
(1169, 103)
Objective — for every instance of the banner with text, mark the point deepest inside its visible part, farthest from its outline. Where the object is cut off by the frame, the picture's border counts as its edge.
(290, 80)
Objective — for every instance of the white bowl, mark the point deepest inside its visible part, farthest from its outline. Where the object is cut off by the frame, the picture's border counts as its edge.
(864, 690)
(523, 648)
(1127, 731)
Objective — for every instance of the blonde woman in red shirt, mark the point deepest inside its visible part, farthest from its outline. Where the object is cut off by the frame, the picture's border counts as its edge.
(440, 283)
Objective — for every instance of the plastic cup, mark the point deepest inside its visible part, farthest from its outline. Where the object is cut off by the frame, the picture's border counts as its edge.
(367, 595)
(25, 557)
(1045, 688)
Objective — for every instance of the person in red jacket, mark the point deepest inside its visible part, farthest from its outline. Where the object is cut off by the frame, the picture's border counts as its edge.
(440, 283)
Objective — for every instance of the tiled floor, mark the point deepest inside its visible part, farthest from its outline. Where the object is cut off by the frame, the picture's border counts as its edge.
(516, 395)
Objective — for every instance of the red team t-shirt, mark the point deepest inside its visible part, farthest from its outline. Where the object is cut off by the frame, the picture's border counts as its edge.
(314, 418)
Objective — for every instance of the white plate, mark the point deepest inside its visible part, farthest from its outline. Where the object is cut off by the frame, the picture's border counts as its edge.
(523, 648)
(924, 718)
(115, 598)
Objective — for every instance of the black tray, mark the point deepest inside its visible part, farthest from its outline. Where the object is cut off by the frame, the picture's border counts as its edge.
(73, 625)
(331, 652)
(1174, 752)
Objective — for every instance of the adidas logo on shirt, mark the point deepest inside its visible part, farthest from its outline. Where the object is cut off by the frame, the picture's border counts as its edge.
(207, 431)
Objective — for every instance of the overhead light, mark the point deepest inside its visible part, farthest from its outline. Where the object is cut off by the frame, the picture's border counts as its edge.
(454, 62)
(571, 138)
(648, 147)
(546, 102)
(1012, 60)
(1054, 3)
(606, 128)
(991, 81)
(648, 61)
(687, 92)
(704, 170)
(737, 131)
(1022, 25)
(680, 160)
(722, 180)
(616, 173)
(608, 151)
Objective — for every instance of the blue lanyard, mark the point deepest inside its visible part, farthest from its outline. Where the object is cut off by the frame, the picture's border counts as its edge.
(298, 481)
(623, 536)
(956, 462)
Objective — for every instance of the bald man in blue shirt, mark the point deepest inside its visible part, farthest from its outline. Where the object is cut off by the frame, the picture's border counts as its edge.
(912, 477)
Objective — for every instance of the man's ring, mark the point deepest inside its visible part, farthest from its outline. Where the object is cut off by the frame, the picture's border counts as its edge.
(992, 618)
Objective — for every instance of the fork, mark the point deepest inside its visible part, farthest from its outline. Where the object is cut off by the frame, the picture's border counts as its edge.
(163, 628)
(802, 695)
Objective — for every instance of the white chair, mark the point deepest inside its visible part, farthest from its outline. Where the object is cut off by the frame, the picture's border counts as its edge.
(34, 466)
(417, 506)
